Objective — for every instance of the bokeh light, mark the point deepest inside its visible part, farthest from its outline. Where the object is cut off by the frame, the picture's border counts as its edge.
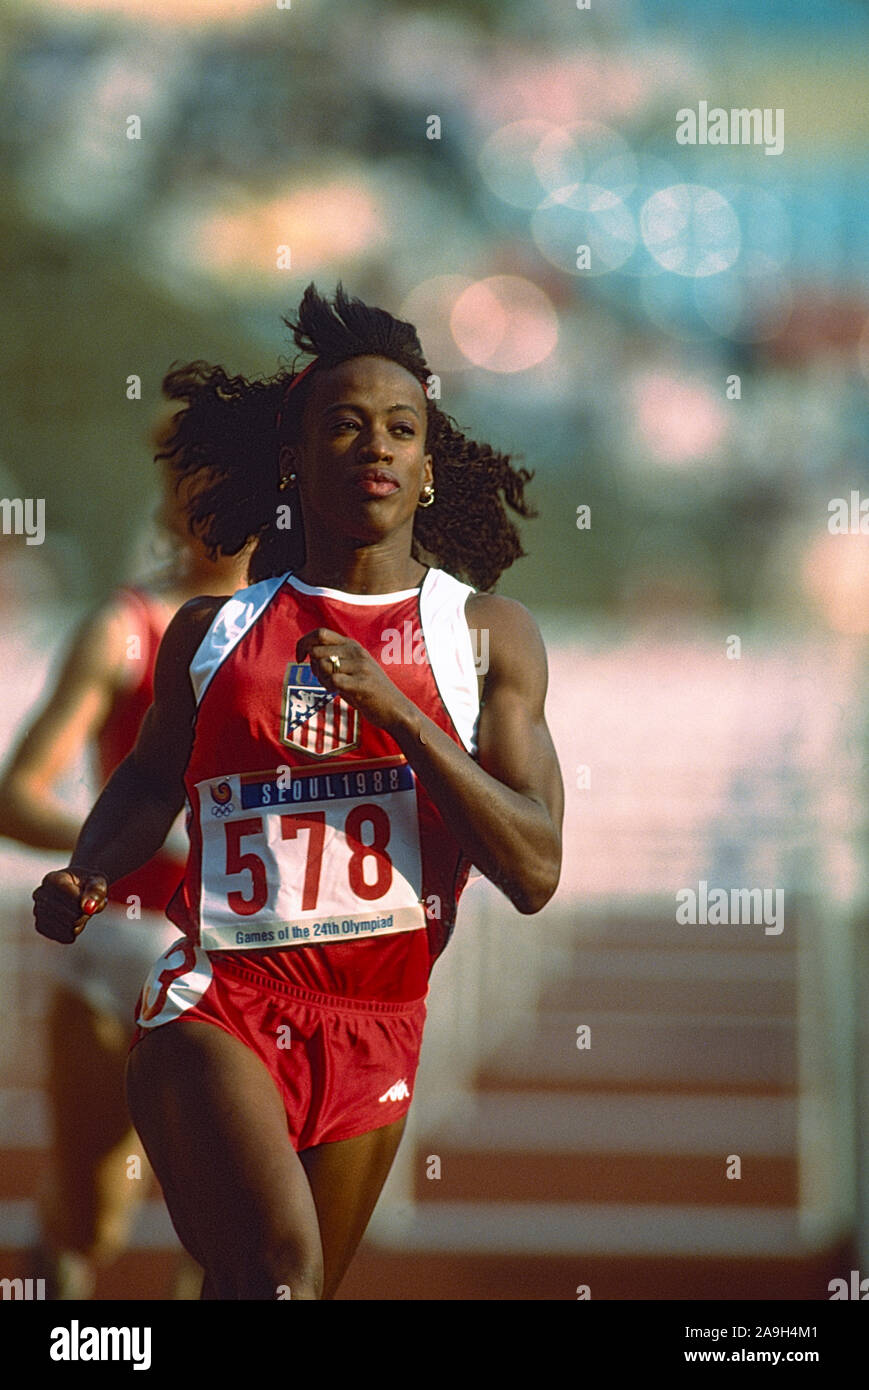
(836, 575)
(585, 152)
(691, 230)
(507, 162)
(429, 307)
(505, 324)
(679, 421)
(653, 174)
(562, 87)
(584, 216)
(322, 224)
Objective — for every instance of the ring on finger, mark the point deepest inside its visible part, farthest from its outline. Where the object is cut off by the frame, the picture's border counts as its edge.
(335, 663)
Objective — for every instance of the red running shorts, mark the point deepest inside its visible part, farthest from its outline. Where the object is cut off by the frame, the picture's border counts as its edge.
(342, 1066)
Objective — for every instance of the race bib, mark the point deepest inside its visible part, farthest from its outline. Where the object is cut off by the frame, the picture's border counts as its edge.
(312, 857)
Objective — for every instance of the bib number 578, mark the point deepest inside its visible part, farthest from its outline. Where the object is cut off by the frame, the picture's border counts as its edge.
(314, 824)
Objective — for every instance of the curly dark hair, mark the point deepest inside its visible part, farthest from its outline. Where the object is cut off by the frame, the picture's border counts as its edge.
(226, 440)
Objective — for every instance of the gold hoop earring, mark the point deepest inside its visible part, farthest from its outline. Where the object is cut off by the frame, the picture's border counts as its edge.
(429, 495)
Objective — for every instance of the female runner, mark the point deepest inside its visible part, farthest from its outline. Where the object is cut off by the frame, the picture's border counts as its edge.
(100, 696)
(344, 765)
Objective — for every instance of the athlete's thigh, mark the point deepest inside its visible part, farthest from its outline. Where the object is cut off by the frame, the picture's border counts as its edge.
(346, 1179)
(214, 1128)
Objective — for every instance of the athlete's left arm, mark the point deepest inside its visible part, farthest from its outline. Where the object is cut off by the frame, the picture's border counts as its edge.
(504, 809)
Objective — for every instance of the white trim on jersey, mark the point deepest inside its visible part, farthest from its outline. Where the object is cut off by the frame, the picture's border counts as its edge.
(233, 620)
(450, 650)
(372, 599)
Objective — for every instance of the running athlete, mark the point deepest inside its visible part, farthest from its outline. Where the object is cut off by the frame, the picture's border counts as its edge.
(102, 691)
(344, 764)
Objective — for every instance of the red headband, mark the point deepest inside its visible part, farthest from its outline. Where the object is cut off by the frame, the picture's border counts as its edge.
(422, 379)
(295, 381)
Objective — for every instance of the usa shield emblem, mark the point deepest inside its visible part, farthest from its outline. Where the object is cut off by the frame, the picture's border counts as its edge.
(313, 720)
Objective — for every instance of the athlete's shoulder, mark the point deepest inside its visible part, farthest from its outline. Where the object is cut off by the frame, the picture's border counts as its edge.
(199, 611)
(515, 652)
(188, 627)
(506, 617)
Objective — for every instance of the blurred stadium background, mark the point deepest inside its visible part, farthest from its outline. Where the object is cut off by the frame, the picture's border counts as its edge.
(701, 386)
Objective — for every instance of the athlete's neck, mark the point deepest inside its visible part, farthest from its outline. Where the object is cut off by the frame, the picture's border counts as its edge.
(363, 572)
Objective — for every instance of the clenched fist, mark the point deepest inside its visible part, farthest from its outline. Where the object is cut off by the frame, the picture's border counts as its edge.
(65, 901)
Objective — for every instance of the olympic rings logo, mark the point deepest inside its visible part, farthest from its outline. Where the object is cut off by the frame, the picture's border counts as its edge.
(221, 795)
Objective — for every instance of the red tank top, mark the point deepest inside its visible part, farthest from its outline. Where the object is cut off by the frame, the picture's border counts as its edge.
(315, 852)
(155, 882)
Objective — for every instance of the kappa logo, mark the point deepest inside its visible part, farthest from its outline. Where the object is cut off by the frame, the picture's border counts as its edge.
(313, 720)
(398, 1091)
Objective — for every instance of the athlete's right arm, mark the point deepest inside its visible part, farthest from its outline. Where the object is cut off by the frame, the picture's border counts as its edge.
(138, 804)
